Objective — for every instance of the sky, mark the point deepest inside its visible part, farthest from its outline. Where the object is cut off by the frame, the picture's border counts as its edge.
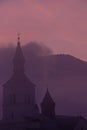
(59, 24)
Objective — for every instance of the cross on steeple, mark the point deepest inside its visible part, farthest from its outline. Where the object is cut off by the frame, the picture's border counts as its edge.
(18, 38)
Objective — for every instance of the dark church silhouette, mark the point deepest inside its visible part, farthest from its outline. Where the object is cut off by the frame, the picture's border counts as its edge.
(20, 111)
(18, 91)
(48, 105)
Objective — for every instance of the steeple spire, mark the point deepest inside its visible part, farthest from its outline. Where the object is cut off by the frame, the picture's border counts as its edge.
(18, 59)
(48, 105)
(48, 98)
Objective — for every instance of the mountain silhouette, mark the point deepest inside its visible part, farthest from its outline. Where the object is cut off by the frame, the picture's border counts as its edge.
(58, 65)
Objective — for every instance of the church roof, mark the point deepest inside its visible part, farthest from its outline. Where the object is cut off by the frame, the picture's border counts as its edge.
(61, 122)
(47, 99)
(70, 122)
(22, 80)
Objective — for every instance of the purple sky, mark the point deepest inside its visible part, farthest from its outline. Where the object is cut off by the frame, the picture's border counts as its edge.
(60, 24)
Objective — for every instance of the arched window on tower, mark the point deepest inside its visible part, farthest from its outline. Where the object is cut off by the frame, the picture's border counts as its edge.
(27, 99)
(12, 99)
(12, 116)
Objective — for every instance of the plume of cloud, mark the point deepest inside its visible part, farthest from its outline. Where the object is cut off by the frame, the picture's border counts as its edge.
(37, 49)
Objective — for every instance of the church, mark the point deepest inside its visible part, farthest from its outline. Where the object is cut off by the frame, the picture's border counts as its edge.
(20, 111)
(18, 92)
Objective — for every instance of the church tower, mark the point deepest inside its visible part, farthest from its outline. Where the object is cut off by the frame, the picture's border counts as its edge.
(48, 106)
(18, 91)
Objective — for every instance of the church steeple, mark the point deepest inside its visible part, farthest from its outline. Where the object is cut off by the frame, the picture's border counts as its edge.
(18, 60)
(48, 105)
(19, 91)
